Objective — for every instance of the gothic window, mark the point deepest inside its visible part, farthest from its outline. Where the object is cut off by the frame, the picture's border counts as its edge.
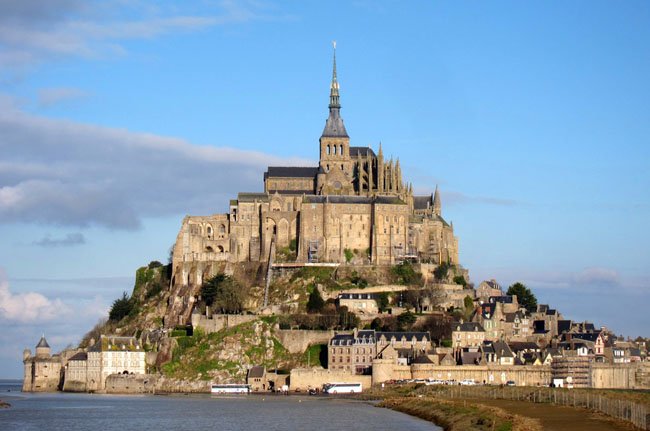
(222, 229)
(328, 150)
(341, 149)
(209, 231)
(334, 150)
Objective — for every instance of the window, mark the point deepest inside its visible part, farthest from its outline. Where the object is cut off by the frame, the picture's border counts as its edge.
(341, 152)
(328, 151)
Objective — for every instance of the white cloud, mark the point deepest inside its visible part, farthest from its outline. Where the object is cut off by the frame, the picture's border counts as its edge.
(32, 31)
(28, 307)
(48, 97)
(65, 173)
(71, 239)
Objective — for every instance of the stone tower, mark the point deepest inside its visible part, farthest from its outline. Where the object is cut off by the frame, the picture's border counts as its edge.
(335, 164)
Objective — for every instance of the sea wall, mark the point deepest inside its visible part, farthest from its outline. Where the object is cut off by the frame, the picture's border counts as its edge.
(302, 379)
(149, 384)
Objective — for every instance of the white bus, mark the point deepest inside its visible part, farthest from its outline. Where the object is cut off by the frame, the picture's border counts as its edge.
(342, 388)
(231, 389)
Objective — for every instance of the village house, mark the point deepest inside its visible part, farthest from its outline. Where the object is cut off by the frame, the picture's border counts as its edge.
(467, 334)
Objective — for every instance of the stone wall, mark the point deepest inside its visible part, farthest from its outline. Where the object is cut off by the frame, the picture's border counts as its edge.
(148, 384)
(620, 376)
(217, 322)
(302, 379)
(297, 341)
(385, 369)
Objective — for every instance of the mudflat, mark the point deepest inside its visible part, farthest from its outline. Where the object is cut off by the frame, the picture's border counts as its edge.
(559, 418)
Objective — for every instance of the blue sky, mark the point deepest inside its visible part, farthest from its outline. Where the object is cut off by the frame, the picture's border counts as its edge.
(118, 118)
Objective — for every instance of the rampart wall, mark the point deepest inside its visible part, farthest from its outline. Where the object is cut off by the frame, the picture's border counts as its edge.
(302, 379)
(297, 341)
(217, 322)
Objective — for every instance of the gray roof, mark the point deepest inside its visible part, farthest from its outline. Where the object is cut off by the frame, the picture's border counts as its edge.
(42, 343)
(81, 356)
(334, 127)
(352, 199)
(419, 336)
(292, 192)
(363, 151)
(291, 172)
(422, 202)
(256, 371)
(468, 326)
(250, 197)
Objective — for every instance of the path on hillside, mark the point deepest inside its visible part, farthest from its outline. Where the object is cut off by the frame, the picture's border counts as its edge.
(559, 418)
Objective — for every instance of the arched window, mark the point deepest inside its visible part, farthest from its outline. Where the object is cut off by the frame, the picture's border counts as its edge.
(222, 229)
(220, 249)
(341, 149)
(328, 150)
(334, 149)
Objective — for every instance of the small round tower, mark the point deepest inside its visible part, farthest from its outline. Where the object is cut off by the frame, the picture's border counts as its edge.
(42, 348)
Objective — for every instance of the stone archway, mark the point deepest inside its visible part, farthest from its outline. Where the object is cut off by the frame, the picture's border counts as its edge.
(283, 233)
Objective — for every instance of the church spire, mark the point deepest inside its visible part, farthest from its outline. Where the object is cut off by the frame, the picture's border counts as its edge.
(334, 86)
(334, 126)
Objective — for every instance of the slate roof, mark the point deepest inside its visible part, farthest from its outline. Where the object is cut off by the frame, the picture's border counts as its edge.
(81, 356)
(519, 346)
(468, 327)
(419, 336)
(42, 343)
(502, 349)
(290, 172)
(363, 151)
(422, 202)
(115, 343)
(256, 372)
(563, 326)
(334, 127)
(292, 192)
(504, 299)
(335, 199)
(250, 197)
(342, 340)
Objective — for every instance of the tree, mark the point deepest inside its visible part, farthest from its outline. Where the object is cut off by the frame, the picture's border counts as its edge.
(438, 326)
(525, 296)
(405, 274)
(315, 303)
(440, 273)
(121, 308)
(459, 279)
(468, 302)
(224, 294)
(406, 320)
(382, 299)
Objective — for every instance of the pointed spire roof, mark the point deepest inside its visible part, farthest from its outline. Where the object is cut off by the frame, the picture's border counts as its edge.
(334, 126)
(381, 153)
(437, 205)
(42, 342)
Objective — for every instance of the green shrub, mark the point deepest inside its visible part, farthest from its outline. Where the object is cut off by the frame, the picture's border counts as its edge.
(349, 254)
(121, 308)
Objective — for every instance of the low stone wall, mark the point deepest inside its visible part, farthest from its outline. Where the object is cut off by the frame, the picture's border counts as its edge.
(149, 384)
(302, 379)
(620, 376)
(385, 369)
(217, 322)
(74, 386)
(297, 340)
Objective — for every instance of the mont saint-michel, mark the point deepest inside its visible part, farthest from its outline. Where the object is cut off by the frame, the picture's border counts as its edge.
(335, 277)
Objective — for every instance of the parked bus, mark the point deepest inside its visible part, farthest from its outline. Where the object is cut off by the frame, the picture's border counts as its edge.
(342, 388)
(231, 389)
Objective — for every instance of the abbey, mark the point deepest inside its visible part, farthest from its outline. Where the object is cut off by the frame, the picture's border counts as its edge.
(354, 205)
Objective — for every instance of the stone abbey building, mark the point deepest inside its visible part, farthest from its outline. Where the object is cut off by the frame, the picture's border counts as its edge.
(354, 204)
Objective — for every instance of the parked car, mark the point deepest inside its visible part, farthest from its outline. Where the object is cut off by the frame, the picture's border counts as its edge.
(467, 382)
(511, 383)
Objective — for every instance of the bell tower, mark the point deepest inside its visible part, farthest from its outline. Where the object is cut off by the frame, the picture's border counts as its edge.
(335, 158)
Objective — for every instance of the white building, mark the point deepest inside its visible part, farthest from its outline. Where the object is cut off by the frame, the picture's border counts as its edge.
(110, 355)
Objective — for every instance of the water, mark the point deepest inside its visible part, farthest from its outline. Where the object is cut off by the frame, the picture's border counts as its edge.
(60, 411)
